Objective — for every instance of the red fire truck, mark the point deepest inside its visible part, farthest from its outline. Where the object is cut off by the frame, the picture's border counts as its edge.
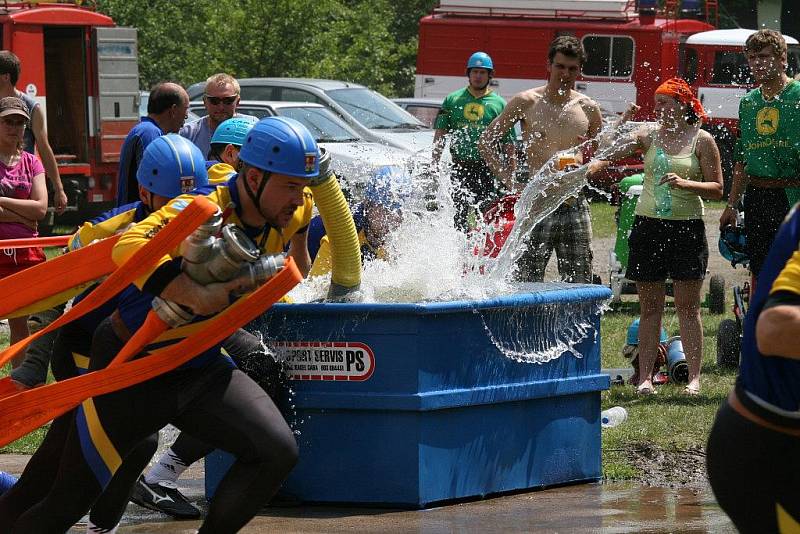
(631, 49)
(83, 71)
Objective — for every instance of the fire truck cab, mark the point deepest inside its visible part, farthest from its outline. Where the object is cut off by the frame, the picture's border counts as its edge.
(629, 53)
(83, 71)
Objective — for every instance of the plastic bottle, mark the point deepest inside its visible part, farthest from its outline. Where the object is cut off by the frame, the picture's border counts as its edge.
(661, 192)
(613, 416)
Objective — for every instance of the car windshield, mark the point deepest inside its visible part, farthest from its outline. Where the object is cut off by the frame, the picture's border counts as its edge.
(322, 123)
(372, 109)
(258, 113)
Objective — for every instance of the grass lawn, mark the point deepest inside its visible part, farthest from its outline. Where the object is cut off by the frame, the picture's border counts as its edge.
(669, 420)
(603, 223)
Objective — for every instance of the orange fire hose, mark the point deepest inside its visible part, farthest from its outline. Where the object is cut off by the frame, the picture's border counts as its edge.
(7, 388)
(52, 241)
(164, 241)
(152, 327)
(28, 410)
(49, 278)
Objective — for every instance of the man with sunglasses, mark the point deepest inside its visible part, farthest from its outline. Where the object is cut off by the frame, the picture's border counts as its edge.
(221, 98)
(167, 108)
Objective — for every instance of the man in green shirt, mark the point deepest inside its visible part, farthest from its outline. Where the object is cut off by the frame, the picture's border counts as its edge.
(767, 167)
(463, 117)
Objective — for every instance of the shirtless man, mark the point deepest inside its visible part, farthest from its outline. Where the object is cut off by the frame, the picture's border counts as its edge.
(554, 118)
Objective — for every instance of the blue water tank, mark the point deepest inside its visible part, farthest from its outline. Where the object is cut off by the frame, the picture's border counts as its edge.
(411, 404)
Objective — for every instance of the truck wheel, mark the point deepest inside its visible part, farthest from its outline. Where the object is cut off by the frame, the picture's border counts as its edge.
(728, 343)
(716, 294)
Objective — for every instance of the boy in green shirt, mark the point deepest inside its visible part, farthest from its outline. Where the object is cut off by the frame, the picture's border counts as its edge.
(767, 167)
(464, 115)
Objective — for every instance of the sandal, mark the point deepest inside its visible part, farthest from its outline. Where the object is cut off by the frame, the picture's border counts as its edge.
(645, 391)
(691, 391)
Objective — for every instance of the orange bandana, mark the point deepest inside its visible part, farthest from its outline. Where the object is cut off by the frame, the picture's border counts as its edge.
(678, 89)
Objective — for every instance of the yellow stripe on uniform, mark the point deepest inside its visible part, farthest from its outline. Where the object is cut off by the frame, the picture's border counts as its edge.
(786, 523)
(104, 447)
(81, 361)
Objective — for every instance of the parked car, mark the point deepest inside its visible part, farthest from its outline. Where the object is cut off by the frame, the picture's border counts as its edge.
(354, 158)
(372, 115)
(424, 109)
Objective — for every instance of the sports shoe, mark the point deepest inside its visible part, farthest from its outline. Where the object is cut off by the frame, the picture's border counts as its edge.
(163, 497)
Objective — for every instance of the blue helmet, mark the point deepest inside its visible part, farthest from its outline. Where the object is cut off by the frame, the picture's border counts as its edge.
(172, 165)
(633, 334)
(281, 145)
(389, 186)
(233, 131)
(480, 60)
(732, 245)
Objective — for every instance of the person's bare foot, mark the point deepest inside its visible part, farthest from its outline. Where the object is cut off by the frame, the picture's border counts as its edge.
(692, 388)
(645, 388)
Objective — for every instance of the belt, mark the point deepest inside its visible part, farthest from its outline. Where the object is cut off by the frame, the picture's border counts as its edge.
(772, 183)
(119, 328)
(745, 412)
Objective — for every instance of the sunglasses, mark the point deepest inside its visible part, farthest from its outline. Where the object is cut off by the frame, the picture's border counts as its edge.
(217, 100)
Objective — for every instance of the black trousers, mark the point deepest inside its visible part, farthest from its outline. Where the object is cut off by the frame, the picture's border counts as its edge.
(764, 211)
(216, 404)
(473, 186)
(753, 471)
(37, 478)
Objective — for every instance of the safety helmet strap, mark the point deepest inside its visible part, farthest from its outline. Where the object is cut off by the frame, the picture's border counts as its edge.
(256, 195)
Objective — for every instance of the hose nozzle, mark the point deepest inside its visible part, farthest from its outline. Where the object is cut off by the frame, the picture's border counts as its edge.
(252, 275)
(171, 313)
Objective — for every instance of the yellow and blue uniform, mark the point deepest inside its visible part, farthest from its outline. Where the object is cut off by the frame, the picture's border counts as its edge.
(774, 380)
(219, 172)
(319, 246)
(135, 301)
(752, 459)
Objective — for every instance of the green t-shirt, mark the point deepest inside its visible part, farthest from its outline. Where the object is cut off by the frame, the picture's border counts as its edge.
(466, 117)
(769, 142)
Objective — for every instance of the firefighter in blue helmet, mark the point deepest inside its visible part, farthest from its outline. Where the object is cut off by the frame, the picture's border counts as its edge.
(464, 115)
(226, 143)
(375, 217)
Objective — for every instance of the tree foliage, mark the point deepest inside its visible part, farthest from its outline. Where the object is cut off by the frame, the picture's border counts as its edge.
(373, 42)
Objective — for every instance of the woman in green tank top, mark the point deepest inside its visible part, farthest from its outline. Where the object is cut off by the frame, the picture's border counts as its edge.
(682, 166)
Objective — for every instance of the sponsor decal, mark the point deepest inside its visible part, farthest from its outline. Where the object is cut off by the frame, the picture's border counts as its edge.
(326, 360)
(767, 121)
(474, 111)
(311, 160)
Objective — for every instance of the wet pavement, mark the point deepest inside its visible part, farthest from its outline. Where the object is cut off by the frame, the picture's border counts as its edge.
(609, 508)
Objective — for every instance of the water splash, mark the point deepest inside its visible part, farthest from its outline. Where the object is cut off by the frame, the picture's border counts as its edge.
(428, 259)
(550, 187)
(545, 332)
